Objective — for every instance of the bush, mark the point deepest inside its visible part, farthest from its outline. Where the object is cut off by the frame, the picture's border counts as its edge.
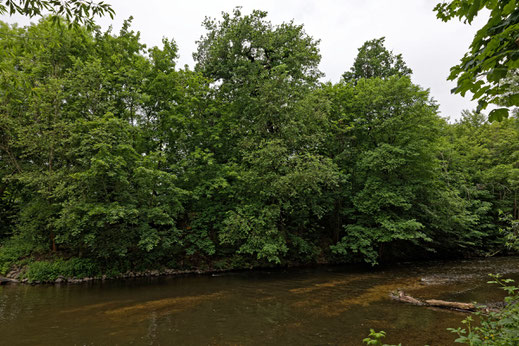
(11, 252)
(375, 338)
(49, 271)
(496, 328)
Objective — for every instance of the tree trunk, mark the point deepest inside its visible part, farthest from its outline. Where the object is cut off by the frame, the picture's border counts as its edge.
(53, 241)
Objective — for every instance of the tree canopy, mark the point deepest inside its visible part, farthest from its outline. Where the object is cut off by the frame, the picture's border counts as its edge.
(374, 60)
(116, 159)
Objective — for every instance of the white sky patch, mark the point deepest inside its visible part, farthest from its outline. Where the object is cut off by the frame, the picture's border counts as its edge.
(428, 45)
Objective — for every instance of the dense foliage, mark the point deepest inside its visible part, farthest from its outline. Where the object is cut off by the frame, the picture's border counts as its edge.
(113, 158)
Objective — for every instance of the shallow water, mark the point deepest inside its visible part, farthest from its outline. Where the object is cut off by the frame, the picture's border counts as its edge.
(325, 305)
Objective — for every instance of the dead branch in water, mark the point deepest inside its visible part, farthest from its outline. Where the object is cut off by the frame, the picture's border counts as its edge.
(405, 298)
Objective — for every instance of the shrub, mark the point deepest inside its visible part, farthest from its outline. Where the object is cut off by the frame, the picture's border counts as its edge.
(496, 328)
(11, 252)
(375, 338)
(48, 271)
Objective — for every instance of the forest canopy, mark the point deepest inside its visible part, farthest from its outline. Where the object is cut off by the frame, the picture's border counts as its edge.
(115, 158)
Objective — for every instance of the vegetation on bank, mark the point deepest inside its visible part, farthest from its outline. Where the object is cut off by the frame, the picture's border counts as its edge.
(484, 327)
(496, 327)
(115, 159)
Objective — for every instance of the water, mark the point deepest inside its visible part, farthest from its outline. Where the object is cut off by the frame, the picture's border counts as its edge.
(326, 305)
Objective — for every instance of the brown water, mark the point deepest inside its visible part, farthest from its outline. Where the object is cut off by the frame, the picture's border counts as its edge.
(326, 305)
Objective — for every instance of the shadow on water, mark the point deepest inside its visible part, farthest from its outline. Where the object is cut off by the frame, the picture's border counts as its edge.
(325, 305)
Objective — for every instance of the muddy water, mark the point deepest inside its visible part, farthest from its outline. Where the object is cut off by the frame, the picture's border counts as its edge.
(326, 305)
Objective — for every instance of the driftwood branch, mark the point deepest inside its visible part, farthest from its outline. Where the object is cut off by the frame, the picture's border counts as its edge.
(405, 298)
(451, 305)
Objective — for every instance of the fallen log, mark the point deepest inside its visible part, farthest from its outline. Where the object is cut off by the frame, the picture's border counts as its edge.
(451, 305)
(401, 296)
(407, 299)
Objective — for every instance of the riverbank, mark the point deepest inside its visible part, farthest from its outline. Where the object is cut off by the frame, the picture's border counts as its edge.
(75, 270)
(17, 277)
(55, 272)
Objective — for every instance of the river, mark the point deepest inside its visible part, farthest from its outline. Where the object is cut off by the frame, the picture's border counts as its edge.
(312, 306)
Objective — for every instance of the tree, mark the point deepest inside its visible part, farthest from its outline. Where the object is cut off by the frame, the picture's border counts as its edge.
(115, 204)
(492, 56)
(264, 77)
(385, 142)
(82, 170)
(76, 12)
(261, 69)
(374, 60)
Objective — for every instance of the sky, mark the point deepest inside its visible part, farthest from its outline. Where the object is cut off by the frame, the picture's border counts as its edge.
(428, 45)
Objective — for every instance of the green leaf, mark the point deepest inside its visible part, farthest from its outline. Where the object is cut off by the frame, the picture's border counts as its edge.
(498, 114)
(473, 10)
(513, 100)
(497, 74)
(509, 7)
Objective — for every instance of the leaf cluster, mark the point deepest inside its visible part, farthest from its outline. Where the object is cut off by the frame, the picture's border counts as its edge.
(74, 12)
(493, 54)
(495, 328)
